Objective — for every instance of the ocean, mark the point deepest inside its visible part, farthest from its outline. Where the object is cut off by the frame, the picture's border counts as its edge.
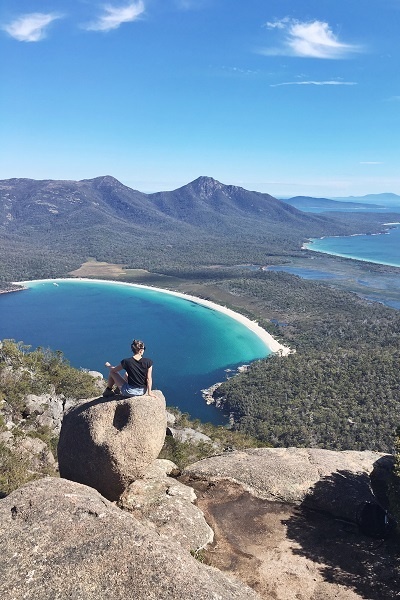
(93, 322)
(382, 248)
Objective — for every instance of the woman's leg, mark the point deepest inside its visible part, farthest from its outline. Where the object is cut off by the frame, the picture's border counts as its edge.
(115, 378)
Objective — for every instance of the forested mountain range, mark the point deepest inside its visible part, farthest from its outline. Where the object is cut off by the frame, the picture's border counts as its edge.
(204, 203)
(49, 227)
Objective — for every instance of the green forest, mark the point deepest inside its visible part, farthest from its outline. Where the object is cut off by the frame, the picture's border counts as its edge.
(340, 389)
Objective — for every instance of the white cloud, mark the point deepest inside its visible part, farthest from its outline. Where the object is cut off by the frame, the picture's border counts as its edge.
(334, 82)
(114, 16)
(312, 39)
(370, 162)
(31, 27)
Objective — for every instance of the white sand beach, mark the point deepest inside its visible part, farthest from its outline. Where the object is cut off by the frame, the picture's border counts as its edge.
(269, 341)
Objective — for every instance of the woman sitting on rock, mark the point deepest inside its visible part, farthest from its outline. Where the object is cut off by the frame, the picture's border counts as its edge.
(138, 374)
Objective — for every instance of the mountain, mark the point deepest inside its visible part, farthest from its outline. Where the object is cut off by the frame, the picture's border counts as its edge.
(382, 199)
(203, 203)
(49, 227)
(207, 203)
(207, 197)
(40, 204)
(322, 204)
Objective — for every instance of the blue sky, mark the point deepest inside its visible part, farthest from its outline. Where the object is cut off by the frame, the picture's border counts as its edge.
(279, 96)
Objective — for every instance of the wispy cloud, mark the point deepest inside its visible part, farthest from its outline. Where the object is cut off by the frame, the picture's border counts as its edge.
(190, 4)
(31, 27)
(371, 162)
(312, 39)
(334, 82)
(239, 71)
(114, 16)
(278, 23)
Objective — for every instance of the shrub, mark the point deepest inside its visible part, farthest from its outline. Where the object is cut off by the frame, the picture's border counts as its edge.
(39, 371)
(222, 438)
(394, 486)
(24, 372)
(14, 471)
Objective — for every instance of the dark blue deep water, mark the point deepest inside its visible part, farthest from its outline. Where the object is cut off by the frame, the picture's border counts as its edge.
(93, 322)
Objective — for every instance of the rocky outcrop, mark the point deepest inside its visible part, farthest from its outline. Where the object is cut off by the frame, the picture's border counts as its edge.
(163, 503)
(46, 410)
(258, 503)
(63, 540)
(171, 418)
(108, 444)
(283, 474)
(187, 434)
(23, 457)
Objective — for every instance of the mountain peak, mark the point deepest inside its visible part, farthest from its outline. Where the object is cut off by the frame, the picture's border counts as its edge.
(104, 180)
(206, 186)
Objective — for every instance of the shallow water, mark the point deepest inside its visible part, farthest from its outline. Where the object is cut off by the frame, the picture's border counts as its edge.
(383, 248)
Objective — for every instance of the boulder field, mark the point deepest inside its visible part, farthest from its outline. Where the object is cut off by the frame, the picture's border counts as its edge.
(63, 540)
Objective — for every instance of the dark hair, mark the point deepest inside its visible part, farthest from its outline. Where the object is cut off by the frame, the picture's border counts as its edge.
(137, 345)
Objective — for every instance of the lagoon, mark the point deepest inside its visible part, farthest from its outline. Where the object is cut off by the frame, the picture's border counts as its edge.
(193, 346)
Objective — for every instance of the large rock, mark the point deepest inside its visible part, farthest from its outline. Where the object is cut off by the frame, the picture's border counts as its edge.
(62, 540)
(167, 505)
(107, 444)
(286, 474)
(251, 500)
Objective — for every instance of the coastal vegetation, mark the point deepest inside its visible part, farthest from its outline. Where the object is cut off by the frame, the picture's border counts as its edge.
(221, 439)
(43, 373)
(394, 485)
(341, 387)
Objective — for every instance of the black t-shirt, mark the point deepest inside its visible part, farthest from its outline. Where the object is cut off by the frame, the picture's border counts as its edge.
(137, 370)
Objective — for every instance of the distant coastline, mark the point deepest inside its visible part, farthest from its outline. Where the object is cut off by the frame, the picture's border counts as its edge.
(312, 244)
(271, 343)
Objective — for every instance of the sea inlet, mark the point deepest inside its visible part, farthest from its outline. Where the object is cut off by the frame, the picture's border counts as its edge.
(91, 322)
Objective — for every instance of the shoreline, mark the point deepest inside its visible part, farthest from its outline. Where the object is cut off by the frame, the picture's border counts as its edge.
(270, 342)
(305, 246)
(21, 289)
(308, 246)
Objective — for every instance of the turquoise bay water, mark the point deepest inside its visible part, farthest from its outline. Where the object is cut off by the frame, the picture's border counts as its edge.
(94, 322)
(383, 248)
